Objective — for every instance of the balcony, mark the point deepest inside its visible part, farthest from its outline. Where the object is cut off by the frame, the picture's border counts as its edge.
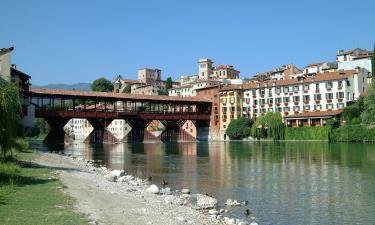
(286, 103)
(296, 103)
(286, 113)
(317, 101)
(329, 100)
(306, 102)
(317, 90)
(278, 104)
(340, 100)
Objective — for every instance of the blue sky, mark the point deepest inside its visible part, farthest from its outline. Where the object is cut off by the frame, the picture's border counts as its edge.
(79, 41)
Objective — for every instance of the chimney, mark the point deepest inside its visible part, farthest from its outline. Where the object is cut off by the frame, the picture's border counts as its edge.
(14, 66)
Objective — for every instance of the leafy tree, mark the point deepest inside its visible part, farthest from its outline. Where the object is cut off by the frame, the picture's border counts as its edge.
(168, 83)
(102, 85)
(9, 116)
(269, 126)
(127, 89)
(239, 128)
(368, 115)
(163, 92)
(354, 110)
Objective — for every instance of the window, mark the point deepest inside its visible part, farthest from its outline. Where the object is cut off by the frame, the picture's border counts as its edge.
(285, 89)
(317, 107)
(317, 87)
(262, 101)
(279, 100)
(295, 98)
(329, 85)
(329, 96)
(255, 110)
(262, 110)
(278, 90)
(286, 109)
(232, 109)
(306, 107)
(270, 92)
(262, 91)
(286, 99)
(279, 109)
(305, 87)
(329, 106)
(270, 100)
(254, 92)
(270, 110)
(340, 95)
(255, 102)
(296, 108)
(340, 84)
(290, 89)
(317, 97)
(340, 105)
(306, 98)
(296, 88)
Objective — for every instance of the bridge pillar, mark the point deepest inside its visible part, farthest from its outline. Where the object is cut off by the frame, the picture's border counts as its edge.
(100, 133)
(57, 134)
(138, 132)
(203, 129)
(174, 132)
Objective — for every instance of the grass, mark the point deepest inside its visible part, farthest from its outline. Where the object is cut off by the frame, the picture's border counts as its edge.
(30, 194)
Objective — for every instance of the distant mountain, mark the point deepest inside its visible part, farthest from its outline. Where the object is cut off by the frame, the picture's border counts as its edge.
(78, 86)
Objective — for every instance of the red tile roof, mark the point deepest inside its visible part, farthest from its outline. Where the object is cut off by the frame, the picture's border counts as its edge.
(337, 75)
(112, 95)
(316, 114)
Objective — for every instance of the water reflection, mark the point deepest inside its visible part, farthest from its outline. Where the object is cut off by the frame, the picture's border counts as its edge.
(285, 183)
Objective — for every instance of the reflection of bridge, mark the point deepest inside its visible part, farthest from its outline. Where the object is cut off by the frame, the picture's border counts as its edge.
(57, 107)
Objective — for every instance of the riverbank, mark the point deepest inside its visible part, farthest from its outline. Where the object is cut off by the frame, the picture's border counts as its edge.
(113, 197)
(31, 194)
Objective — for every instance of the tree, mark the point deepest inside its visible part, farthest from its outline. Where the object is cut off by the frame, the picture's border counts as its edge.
(368, 115)
(354, 110)
(373, 65)
(127, 89)
(10, 108)
(102, 85)
(163, 92)
(168, 83)
(239, 128)
(269, 126)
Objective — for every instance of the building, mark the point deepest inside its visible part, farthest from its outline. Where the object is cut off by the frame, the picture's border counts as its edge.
(323, 92)
(149, 76)
(212, 93)
(348, 60)
(205, 68)
(191, 88)
(284, 72)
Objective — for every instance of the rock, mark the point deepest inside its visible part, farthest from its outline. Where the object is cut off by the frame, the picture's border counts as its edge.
(181, 219)
(231, 202)
(213, 212)
(171, 199)
(153, 189)
(221, 211)
(118, 173)
(230, 221)
(242, 223)
(206, 202)
(185, 196)
(110, 177)
(185, 191)
(253, 223)
(166, 191)
(121, 179)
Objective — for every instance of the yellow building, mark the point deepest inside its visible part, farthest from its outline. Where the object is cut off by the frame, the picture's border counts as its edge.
(231, 99)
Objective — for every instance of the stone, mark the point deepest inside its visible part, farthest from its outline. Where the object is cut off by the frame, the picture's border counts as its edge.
(221, 211)
(185, 191)
(231, 221)
(166, 191)
(242, 223)
(153, 189)
(231, 202)
(121, 179)
(253, 223)
(213, 212)
(118, 173)
(206, 202)
(171, 199)
(185, 196)
(181, 219)
(110, 177)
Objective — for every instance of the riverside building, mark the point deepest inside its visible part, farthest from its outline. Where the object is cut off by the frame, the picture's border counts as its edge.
(304, 101)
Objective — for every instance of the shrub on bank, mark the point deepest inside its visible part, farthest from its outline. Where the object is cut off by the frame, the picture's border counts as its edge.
(353, 133)
(307, 133)
(239, 128)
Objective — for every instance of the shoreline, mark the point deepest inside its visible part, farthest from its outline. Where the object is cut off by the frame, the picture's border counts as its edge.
(114, 197)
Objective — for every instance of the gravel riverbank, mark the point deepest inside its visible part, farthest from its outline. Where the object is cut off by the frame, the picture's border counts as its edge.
(114, 197)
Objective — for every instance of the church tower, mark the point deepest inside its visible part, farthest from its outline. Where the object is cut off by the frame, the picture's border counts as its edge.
(205, 68)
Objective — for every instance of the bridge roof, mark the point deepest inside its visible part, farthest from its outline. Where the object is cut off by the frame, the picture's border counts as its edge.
(111, 95)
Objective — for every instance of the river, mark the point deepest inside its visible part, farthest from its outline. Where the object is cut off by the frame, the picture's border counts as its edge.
(284, 183)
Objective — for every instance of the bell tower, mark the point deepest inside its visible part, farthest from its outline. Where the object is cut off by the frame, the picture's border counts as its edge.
(205, 68)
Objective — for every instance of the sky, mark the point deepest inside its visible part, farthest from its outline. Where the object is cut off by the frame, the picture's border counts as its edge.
(74, 41)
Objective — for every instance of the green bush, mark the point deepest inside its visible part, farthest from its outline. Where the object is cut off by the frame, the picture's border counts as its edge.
(355, 120)
(239, 128)
(353, 133)
(307, 133)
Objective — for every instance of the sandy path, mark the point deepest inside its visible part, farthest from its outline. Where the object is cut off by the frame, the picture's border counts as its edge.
(116, 203)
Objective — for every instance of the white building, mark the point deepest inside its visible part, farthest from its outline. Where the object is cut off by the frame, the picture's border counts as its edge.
(190, 88)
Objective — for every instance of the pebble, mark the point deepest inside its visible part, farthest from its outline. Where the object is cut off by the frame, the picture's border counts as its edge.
(206, 202)
(110, 177)
(185, 191)
(153, 189)
(253, 223)
(231, 202)
(213, 212)
(118, 173)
